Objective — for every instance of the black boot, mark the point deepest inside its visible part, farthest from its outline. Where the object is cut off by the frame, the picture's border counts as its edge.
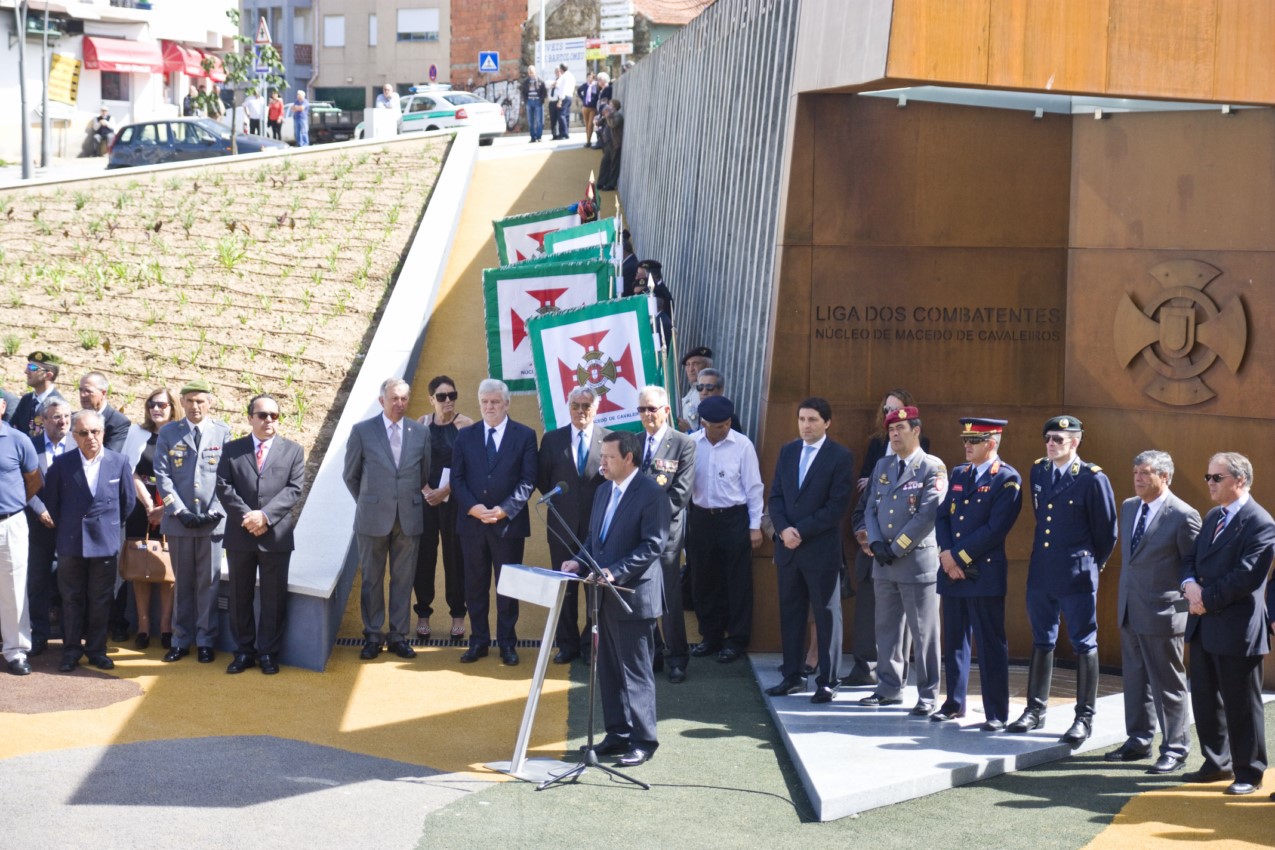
(1039, 674)
(1086, 694)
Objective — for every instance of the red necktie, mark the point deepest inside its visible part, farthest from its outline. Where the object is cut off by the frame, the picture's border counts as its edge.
(261, 455)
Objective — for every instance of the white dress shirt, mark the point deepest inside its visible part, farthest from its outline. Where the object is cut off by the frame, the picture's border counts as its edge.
(727, 474)
(92, 468)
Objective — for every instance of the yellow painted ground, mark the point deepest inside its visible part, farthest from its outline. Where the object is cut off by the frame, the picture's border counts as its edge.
(430, 711)
(1192, 814)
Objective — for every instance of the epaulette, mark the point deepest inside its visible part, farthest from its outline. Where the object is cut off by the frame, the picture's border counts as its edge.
(1013, 484)
(1093, 467)
(1042, 460)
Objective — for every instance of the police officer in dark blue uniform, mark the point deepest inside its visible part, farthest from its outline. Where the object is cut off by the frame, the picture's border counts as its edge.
(1076, 527)
(983, 500)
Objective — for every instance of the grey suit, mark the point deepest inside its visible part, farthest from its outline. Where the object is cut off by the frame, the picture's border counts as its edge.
(388, 519)
(672, 465)
(1151, 631)
(187, 479)
(901, 511)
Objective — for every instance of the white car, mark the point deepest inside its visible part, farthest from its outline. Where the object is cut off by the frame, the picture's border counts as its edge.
(436, 108)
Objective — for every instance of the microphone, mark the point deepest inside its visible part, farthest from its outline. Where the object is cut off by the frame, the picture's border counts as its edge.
(559, 489)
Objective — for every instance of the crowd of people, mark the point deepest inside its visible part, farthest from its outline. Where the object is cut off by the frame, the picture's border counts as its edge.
(600, 112)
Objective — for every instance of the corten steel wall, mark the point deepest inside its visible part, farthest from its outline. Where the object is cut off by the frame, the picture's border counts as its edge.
(705, 122)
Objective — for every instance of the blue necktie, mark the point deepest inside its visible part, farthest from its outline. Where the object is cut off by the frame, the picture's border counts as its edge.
(491, 447)
(1140, 528)
(1221, 524)
(807, 453)
(582, 456)
(610, 514)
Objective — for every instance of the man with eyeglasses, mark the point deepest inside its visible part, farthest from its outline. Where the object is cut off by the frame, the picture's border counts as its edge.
(711, 382)
(54, 441)
(1076, 532)
(982, 503)
(19, 482)
(42, 375)
(669, 458)
(186, 457)
(88, 493)
(1224, 580)
(570, 455)
(259, 480)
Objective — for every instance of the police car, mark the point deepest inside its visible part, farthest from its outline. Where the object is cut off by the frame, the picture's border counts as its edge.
(437, 107)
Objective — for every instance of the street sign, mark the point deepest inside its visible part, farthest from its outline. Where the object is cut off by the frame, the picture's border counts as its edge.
(619, 49)
(614, 36)
(433, 73)
(259, 65)
(263, 32)
(488, 62)
(617, 7)
(619, 22)
(596, 50)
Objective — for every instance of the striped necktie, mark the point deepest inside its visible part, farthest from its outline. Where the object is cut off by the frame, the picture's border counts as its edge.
(1221, 524)
(1140, 528)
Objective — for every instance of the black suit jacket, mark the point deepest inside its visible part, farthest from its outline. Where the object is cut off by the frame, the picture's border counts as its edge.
(25, 413)
(116, 425)
(631, 550)
(1232, 574)
(88, 523)
(274, 491)
(508, 484)
(557, 462)
(815, 508)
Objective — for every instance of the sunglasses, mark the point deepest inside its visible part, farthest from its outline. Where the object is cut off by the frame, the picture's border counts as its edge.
(1217, 479)
(156, 405)
(647, 409)
(578, 406)
(34, 367)
(709, 388)
(973, 441)
(264, 415)
(451, 396)
(1055, 438)
(85, 433)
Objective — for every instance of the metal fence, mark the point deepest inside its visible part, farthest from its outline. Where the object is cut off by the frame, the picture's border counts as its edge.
(700, 178)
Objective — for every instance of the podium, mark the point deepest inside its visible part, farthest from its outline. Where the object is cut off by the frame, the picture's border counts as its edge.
(544, 588)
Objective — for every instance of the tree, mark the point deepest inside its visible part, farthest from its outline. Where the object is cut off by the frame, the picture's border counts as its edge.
(241, 70)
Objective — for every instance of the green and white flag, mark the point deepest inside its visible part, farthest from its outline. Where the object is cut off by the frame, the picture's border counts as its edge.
(598, 252)
(515, 294)
(521, 237)
(596, 233)
(608, 347)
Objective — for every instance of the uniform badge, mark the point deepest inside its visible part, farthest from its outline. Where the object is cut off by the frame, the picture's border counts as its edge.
(661, 479)
(884, 479)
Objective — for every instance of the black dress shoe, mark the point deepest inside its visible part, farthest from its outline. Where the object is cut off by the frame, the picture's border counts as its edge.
(240, 663)
(1202, 777)
(206, 655)
(993, 726)
(119, 635)
(402, 649)
(68, 664)
(822, 695)
(676, 675)
(859, 677)
(268, 665)
(609, 747)
(1167, 763)
(947, 712)
(790, 685)
(807, 670)
(700, 650)
(37, 648)
(508, 656)
(878, 701)
(1240, 789)
(473, 654)
(101, 662)
(634, 757)
(371, 649)
(142, 641)
(728, 654)
(19, 667)
(922, 709)
(176, 653)
(565, 657)
(1127, 752)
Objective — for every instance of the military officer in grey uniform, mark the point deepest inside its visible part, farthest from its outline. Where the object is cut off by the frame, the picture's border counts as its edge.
(902, 506)
(186, 457)
(1075, 535)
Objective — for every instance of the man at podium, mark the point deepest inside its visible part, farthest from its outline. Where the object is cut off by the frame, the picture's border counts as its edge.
(630, 522)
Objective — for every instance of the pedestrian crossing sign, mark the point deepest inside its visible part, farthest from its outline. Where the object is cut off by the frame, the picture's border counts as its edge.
(488, 61)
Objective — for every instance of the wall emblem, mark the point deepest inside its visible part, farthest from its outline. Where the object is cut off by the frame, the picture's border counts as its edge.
(1181, 332)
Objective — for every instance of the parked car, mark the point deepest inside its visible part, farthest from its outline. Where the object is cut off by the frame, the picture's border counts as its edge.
(178, 139)
(330, 123)
(438, 107)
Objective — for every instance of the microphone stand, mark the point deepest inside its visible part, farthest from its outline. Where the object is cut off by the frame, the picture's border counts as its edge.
(590, 757)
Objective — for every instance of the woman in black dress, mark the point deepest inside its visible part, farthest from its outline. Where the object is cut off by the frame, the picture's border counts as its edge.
(161, 408)
(440, 513)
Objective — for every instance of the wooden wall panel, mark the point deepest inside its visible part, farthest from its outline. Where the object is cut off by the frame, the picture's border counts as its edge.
(798, 216)
(1057, 45)
(935, 174)
(1199, 180)
(1242, 66)
(1162, 48)
(939, 41)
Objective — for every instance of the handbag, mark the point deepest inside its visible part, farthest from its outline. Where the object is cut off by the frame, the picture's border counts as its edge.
(146, 560)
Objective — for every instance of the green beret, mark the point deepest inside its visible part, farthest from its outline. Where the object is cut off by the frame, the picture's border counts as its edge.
(199, 385)
(44, 357)
(1062, 423)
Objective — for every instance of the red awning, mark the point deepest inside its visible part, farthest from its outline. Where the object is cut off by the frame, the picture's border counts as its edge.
(184, 59)
(125, 57)
(218, 72)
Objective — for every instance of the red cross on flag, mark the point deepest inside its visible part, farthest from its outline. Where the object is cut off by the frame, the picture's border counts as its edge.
(522, 237)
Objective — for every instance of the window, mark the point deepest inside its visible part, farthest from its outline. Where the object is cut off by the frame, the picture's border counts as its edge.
(154, 134)
(421, 104)
(371, 30)
(334, 30)
(418, 25)
(114, 86)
